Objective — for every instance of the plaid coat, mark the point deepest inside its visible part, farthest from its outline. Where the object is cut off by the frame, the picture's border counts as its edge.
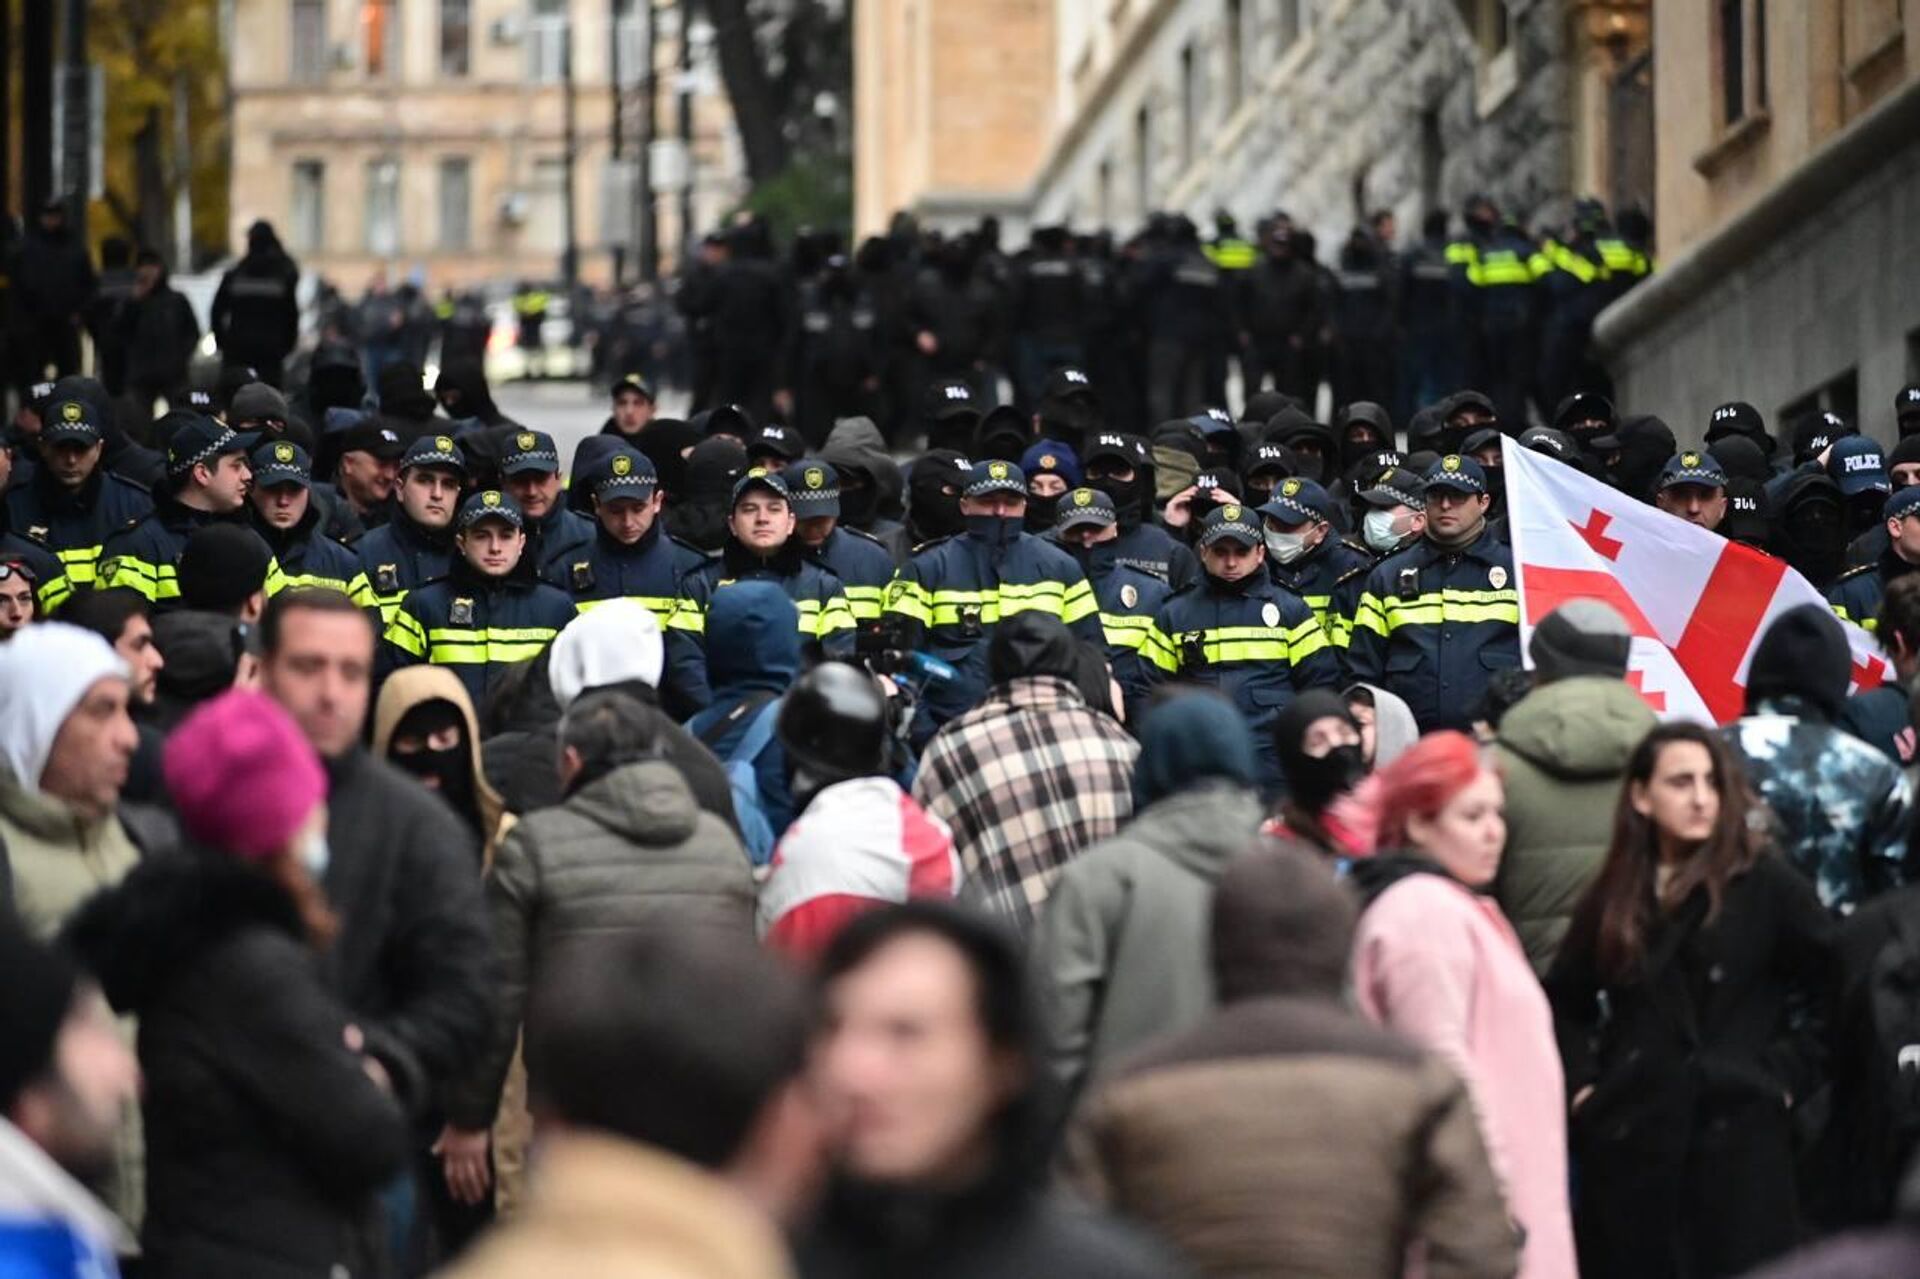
(1026, 780)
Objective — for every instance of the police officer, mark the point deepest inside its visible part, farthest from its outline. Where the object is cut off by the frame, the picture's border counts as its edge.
(1241, 632)
(1575, 277)
(1395, 518)
(1308, 559)
(256, 317)
(1496, 296)
(70, 503)
(838, 353)
(286, 518)
(762, 545)
(1121, 467)
(208, 472)
(530, 473)
(483, 616)
(774, 447)
(1047, 310)
(465, 327)
(1265, 468)
(1188, 307)
(1437, 619)
(1088, 528)
(949, 596)
(415, 546)
(633, 407)
(1856, 596)
(1693, 486)
(860, 560)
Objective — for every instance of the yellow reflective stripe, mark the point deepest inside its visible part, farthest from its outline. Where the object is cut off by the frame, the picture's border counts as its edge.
(1158, 649)
(834, 616)
(909, 599)
(306, 581)
(1068, 603)
(687, 616)
(866, 602)
(1436, 607)
(404, 632)
(661, 606)
(1370, 614)
(1127, 630)
(80, 564)
(1461, 252)
(1501, 266)
(1081, 603)
(53, 594)
(456, 646)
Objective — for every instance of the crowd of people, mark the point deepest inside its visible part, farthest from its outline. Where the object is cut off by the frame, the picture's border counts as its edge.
(730, 850)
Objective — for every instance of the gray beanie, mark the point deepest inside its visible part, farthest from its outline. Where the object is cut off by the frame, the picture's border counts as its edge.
(1581, 637)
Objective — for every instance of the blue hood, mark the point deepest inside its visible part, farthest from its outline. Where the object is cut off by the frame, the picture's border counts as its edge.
(753, 639)
(1191, 739)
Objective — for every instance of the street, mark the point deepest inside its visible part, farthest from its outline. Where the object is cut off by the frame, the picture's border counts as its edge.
(569, 411)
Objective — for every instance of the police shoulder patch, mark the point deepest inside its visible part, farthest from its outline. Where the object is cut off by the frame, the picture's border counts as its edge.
(1353, 574)
(1858, 570)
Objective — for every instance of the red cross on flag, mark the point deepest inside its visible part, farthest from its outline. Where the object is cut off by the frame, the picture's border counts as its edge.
(1697, 603)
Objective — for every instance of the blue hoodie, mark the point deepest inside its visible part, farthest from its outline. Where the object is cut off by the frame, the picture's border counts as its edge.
(753, 649)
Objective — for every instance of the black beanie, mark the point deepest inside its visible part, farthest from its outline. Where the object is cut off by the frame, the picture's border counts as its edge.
(1032, 643)
(35, 998)
(1906, 451)
(221, 566)
(1804, 654)
(1581, 637)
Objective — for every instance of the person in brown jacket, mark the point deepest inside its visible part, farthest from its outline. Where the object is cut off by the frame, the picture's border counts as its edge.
(1284, 1136)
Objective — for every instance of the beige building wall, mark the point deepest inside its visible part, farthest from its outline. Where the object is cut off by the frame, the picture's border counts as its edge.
(508, 128)
(954, 102)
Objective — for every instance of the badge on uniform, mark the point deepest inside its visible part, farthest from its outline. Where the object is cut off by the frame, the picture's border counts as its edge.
(970, 621)
(1497, 576)
(461, 614)
(1193, 651)
(1129, 595)
(386, 578)
(583, 572)
(1270, 613)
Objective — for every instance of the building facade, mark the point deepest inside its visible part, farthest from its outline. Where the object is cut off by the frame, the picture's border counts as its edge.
(426, 138)
(1329, 109)
(1788, 171)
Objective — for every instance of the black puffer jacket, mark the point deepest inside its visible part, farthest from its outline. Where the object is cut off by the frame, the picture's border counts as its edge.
(266, 1139)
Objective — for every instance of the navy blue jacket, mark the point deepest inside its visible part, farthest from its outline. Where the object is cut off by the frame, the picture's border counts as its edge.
(753, 656)
(75, 524)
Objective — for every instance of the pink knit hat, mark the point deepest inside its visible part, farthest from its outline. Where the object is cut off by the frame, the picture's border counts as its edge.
(243, 778)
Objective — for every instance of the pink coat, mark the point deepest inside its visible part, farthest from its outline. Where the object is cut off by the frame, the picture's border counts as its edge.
(1442, 966)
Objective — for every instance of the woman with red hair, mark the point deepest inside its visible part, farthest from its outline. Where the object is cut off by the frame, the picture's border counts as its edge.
(1436, 960)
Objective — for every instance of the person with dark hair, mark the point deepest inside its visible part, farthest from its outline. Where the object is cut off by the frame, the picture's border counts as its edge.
(1119, 949)
(225, 569)
(1283, 1134)
(1691, 996)
(929, 1067)
(269, 1128)
(207, 480)
(1839, 808)
(415, 545)
(857, 840)
(1882, 716)
(628, 852)
(1436, 960)
(683, 1137)
(1032, 775)
(71, 502)
(66, 1078)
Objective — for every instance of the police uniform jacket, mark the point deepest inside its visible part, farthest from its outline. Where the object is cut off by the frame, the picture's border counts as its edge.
(1129, 600)
(826, 618)
(1434, 624)
(51, 587)
(1254, 640)
(473, 625)
(307, 557)
(558, 535)
(74, 525)
(1329, 579)
(1152, 549)
(146, 556)
(864, 566)
(648, 572)
(395, 558)
(1856, 596)
(954, 591)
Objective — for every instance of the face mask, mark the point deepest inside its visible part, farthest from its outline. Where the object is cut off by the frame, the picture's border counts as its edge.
(1380, 532)
(1286, 547)
(315, 855)
(1125, 495)
(1316, 783)
(858, 506)
(997, 531)
(1497, 482)
(1041, 512)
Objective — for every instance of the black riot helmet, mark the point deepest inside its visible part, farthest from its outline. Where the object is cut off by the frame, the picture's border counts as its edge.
(834, 727)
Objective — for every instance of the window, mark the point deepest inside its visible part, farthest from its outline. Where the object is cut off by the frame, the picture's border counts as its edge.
(546, 206)
(1189, 107)
(629, 49)
(456, 37)
(309, 41)
(547, 41)
(456, 204)
(309, 211)
(383, 207)
(379, 39)
(1742, 57)
(1234, 47)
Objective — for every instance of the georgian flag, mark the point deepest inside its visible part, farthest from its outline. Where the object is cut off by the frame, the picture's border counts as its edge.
(1697, 603)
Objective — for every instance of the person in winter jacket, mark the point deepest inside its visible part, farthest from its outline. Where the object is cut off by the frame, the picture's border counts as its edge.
(1840, 808)
(1436, 960)
(861, 561)
(289, 521)
(1119, 951)
(872, 489)
(72, 502)
(752, 659)
(1562, 750)
(269, 1127)
(1387, 727)
(65, 1080)
(256, 316)
(1283, 1135)
(933, 1082)
(697, 509)
(207, 481)
(857, 840)
(1032, 776)
(628, 852)
(1691, 994)
(1317, 740)
(52, 284)
(159, 330)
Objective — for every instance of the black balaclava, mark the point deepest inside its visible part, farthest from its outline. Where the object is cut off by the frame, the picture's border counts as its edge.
(450, 771)
(662, 441)
(859, 498)
(1646, 443)
(1042, 512)
(932, 512)
(1741, 458)
(699, 513)
(1314, 783)
(1809, 529)
(1130, 497)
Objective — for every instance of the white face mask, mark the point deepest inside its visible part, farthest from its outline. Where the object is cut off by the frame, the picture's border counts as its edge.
(1286, 547)
(1381, 530)
(315, 854)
